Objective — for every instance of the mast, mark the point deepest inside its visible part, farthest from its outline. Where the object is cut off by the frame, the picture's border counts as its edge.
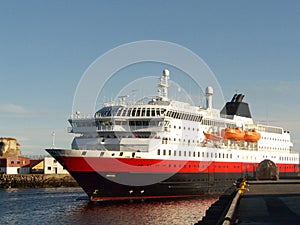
(163, 85)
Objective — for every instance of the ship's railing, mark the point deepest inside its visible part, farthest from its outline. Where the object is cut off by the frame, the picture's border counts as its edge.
(81, 116)
(105, 128)
(145, 128)
(83, 129)
(267, 128)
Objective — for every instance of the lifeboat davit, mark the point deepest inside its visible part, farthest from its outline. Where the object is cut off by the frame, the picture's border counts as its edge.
(234, 133)
(213, 137)
(252, 136)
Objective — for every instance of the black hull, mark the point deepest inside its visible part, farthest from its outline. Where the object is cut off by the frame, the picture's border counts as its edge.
(98, 188)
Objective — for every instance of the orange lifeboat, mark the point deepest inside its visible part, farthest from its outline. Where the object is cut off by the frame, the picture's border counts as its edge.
(252, 136)
(234, 133)
(213, 137)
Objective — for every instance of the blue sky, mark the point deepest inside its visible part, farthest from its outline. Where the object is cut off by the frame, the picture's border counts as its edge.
(45, 47)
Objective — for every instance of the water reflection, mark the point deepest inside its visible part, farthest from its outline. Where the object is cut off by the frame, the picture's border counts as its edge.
(187, 211)
(70, 206)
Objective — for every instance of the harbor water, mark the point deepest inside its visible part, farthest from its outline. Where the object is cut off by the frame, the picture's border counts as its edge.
(71, 206)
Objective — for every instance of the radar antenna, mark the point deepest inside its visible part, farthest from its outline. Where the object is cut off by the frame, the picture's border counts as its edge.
(123, 99)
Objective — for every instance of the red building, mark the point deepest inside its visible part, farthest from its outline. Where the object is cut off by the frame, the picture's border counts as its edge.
(14, 165)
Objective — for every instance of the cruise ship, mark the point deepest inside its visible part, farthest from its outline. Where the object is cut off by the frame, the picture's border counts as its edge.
(166, 149)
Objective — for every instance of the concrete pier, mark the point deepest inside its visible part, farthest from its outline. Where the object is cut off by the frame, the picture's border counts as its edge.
(259, 203)
(270, 202)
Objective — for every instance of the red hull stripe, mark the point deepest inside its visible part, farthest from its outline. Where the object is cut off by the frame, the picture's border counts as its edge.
(93, 164)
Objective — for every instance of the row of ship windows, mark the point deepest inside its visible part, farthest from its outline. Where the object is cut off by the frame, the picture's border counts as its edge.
(274, 139)
(179, 127)
(276, 130)
(282, 158)
(133, 112)
(216, 155)
(188, 166)
(198, 118)
(184, 116)
(193, 154)
(189, 141)
(273, 148)
(197, 165)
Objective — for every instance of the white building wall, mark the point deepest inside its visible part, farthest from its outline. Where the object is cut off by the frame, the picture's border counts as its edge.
(51, 166)
(12, 170)
(15, 170)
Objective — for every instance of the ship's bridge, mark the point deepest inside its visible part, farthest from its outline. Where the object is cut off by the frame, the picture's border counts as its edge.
(108, 111)
(131, 111)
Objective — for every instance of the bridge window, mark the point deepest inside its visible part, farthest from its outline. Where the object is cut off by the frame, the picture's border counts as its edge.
(124, 112)
(133, 112)
(138, 112)
(152, 112)
(157, 112)
(129, 112)
(119, 112)
(143, 112)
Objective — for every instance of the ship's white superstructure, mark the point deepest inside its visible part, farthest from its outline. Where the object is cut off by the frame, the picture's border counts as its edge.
(164, 127)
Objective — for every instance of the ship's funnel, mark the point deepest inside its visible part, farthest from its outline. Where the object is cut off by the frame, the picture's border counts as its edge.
(209, 93)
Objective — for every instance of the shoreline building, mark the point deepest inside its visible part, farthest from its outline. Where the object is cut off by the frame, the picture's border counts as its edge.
(52, 166)
(14, 165)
